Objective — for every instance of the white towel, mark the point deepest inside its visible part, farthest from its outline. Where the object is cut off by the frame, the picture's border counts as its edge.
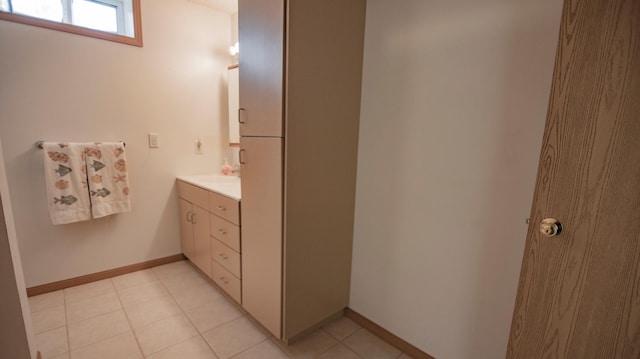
(108, 178)
(65, 177)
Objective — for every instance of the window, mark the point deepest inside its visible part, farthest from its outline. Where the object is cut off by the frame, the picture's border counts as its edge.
(115, 20)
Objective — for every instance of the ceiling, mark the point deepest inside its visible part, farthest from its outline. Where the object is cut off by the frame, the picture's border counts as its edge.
(228, 6)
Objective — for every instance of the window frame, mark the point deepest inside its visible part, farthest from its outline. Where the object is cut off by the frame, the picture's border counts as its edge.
(136, 40)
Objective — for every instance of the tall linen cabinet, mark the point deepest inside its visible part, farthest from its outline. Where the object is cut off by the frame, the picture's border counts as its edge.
(300, 81)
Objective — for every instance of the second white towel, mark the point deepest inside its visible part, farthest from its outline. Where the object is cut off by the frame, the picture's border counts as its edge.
(108, 178)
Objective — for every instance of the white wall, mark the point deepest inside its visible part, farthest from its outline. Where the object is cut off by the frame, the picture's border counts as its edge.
(62, 87)
(454, 101)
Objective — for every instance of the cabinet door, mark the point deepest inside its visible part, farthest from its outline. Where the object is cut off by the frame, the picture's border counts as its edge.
(186, 229)
(202, 240)
(261, 230)
(261, 38)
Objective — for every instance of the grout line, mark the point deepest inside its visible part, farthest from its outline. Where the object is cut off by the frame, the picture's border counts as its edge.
(186, 316)
(277, 343)
(66, 322)
(329, 348)
(135, 337)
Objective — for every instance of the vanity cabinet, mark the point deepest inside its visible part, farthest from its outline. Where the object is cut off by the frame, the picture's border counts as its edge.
(225, 257)
(194, 223)
(300, 78)
(210, 235)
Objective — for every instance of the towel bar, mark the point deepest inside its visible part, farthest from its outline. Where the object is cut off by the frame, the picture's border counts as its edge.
(40, 144)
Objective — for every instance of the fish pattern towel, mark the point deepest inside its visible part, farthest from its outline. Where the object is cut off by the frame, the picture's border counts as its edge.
(108, 178)
(66, 182)
(85, 180)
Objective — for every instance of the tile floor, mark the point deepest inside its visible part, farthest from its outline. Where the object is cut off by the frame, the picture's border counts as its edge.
(173, 311)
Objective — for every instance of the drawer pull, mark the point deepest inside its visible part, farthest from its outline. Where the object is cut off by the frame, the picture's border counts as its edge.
(189, 216)
(194, 218)
(221, 208)
(223, 280)
(221, 255)
(222, 231)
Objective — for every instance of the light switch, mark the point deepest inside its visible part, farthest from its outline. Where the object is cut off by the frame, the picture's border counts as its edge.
(197, 146)
(153, 140)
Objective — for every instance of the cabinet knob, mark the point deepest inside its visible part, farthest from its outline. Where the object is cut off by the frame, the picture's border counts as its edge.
(223, 280)
(222, 231)
(240, 117)
(194, 218)
(189, 216)
(220, 208)
(221, 255)
(241, 157)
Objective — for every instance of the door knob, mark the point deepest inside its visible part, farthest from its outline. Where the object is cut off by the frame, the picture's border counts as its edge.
(550, 227)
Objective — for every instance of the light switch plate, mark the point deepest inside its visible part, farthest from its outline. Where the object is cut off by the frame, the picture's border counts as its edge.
(153, 140)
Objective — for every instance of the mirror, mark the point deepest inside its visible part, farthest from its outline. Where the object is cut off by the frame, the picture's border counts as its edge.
(234, 104)
(113, 20)
(233, 83)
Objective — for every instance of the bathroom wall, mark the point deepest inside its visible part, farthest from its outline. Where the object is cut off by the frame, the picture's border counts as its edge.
(454, 101)
(63, 87)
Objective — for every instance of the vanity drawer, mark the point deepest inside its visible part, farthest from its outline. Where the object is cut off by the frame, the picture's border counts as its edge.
(226, 232)
(193, 194)
(226, 257)
(224, 207)
(227, 281)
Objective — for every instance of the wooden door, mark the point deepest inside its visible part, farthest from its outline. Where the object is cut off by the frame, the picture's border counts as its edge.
(579, 292)
(186, 229)
(261, 160)
(261, 38)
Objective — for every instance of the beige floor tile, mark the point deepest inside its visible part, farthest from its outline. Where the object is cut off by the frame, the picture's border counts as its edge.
(194, 348)
(164, 334)
(88, 308)
(141, 293)
(369, 346)
(197, 295)
(172, 268)
(61, 356)
(211, 315)
(52, 342)
(46, 301)
(97, 329)
(151, 311)
(233, 337)
(89, 290)
(339, 351)
(341, 328)
(178, 282)
(265, 350)
(48, 319)
(122, 346)
(134, 279)
(311, 345)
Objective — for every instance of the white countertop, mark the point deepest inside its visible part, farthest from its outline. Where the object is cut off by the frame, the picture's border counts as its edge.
(225, 185)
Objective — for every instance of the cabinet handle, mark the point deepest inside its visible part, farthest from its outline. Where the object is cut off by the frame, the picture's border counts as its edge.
(221, 208)
(189, 216)
(241, 157)
(240, 110)
(194, 218)
(224, 280)
(221, 255)
(221, 231)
